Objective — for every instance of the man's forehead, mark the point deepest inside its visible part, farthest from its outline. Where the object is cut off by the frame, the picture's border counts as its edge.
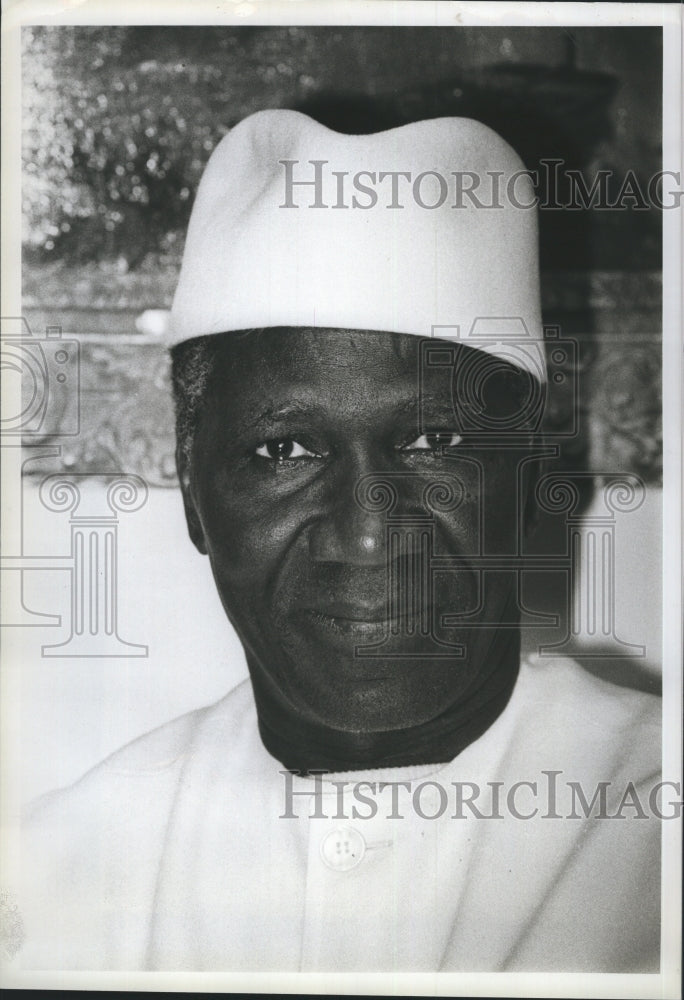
(309, 354)
(329, 345)
(286, 373)
(289, 370)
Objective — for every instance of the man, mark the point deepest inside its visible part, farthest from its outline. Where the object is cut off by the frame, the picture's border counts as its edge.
(359, 383)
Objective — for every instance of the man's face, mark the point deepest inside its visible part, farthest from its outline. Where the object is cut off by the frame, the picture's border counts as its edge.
(341, 506)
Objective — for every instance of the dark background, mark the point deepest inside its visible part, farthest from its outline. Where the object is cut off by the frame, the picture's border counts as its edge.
(119, 123)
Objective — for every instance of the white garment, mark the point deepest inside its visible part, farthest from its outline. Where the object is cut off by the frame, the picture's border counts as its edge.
(173, 853)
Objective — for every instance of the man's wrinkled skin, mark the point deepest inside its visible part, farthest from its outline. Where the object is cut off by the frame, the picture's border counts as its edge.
(293, 419)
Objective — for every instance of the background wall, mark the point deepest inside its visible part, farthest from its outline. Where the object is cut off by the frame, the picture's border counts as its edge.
(118, 124)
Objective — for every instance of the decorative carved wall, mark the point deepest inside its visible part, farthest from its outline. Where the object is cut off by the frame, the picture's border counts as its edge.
(126, 414)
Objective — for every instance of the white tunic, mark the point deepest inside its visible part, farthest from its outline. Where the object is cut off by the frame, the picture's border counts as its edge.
(177, 852)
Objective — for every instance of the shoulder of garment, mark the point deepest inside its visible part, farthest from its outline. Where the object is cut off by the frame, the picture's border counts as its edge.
(90, 852)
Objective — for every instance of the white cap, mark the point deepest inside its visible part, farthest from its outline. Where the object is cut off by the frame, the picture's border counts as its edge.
(264, 250)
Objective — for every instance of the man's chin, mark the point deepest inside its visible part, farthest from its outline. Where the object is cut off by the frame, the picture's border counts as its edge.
(374, 693)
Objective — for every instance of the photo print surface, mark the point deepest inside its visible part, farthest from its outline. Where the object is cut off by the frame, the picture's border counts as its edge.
(334, 566)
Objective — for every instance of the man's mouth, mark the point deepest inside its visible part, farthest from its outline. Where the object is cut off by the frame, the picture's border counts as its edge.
(369, 622)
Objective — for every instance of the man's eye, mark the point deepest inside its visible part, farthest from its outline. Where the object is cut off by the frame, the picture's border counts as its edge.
(434, 440)
(283, 448)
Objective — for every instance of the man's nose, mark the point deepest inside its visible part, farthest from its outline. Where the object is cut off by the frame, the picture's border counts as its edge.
(352, 529)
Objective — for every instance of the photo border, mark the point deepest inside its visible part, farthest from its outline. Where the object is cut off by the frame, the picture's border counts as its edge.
(405, 12)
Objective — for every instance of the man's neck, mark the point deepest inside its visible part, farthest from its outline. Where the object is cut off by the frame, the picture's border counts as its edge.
(304, 746)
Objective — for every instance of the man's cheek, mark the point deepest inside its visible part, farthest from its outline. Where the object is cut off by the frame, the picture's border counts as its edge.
(459, 533)
(249, 553)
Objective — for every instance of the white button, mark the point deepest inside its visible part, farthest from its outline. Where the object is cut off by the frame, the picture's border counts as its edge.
(343, 849)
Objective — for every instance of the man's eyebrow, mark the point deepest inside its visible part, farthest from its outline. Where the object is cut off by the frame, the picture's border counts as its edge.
(426, 399)
(410, 407)
(441, 407)
(273, 413)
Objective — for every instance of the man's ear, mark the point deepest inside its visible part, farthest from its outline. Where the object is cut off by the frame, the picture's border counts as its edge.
(191, 516)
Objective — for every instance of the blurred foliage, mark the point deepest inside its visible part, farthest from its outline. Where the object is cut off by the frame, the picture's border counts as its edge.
(110, 157)
(120, 121)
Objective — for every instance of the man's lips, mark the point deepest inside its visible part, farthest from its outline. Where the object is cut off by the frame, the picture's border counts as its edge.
(353, 627)
(353, 610)
(368, 621)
